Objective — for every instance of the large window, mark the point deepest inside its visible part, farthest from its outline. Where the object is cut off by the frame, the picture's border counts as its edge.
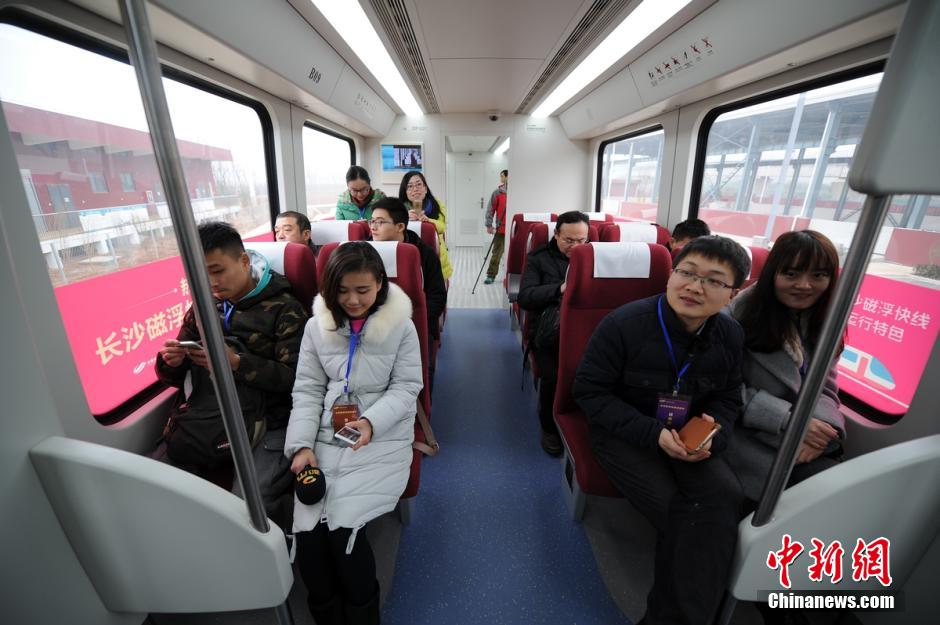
(327, 156)
(629, 171)
(782, 165)
(87, 165)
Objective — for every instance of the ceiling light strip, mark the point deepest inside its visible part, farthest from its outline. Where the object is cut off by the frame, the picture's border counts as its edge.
(400, 32)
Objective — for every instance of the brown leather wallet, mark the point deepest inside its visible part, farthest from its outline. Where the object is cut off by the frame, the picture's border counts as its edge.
(697, 432)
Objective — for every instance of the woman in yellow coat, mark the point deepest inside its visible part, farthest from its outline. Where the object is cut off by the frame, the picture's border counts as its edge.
(423, 206)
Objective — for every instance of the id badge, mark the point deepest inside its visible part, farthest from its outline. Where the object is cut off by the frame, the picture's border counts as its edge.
(345, 409)
(673, 410)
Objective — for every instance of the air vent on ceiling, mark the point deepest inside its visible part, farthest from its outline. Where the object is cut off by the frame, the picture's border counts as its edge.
(585, 34)
(394, 17)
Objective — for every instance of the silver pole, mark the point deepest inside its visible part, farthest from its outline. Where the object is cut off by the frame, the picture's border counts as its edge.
(856, 262)
(143, 55)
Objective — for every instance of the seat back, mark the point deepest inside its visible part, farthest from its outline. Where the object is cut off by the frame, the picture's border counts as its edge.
(601, 278)
(518, 235)
(638, 231)
(758, 258)
(330, 231)
(294, 261)
(538, 236)
(403, 267)
(428, 234)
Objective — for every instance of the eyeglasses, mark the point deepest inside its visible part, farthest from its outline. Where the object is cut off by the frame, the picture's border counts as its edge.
(709, 283)
(360, 191)
(414, 186)
(378, 223)
(570, 241)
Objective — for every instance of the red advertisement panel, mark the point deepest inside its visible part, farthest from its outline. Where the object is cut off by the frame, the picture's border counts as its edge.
(891, 331)
(117, 322)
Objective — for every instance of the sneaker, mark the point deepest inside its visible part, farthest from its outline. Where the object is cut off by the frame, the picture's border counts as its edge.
(489, 280)
(551, 443)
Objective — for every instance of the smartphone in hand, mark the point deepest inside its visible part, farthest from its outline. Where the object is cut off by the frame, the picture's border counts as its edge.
(190, 344)
(348, 436)
(697, 432)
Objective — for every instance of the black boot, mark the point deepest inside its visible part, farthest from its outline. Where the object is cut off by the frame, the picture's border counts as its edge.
(364, 614)
(328, 613)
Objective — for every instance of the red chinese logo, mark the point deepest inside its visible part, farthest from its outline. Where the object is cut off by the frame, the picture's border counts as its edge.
(872, 560)
(784, 558)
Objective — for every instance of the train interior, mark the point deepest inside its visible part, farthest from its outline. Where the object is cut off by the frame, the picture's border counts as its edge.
(747, 114)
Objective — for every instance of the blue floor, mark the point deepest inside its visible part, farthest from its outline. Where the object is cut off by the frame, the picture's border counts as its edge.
(491, 540)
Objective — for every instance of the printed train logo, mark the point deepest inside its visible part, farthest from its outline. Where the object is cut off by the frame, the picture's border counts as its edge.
(865, 366)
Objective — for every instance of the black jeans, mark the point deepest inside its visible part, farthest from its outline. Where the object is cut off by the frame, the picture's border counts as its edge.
(328, 571)
(548, 380)
(695, 508)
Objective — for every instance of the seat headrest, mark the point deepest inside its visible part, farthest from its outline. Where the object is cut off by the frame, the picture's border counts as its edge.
(592, 216)
(415, 226)
(323, 232)
(274, 252)
(621, 260)
(388, 250)
(750, 257)
(634, 231)
(545, 217)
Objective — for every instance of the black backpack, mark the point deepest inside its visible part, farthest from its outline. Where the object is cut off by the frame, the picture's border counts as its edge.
(195, 434)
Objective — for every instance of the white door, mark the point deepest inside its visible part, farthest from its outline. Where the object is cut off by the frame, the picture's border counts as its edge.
(468, 213)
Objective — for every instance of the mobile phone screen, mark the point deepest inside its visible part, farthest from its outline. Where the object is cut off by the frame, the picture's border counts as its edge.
(348, 435)
(190, 344)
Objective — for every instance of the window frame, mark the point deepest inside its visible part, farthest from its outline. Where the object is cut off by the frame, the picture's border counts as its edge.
(599, 176)
(38, 25)
(701, 143)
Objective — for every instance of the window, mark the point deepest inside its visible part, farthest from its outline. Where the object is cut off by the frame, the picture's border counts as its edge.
(97, 182)
(327, 156)
(112, 257)
(127, 181)
(781, 165)
(628, 171)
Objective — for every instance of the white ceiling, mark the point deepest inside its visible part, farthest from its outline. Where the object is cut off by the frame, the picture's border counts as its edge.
(463, 143)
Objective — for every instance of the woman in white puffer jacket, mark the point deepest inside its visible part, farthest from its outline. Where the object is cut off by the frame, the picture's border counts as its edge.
(365, 480)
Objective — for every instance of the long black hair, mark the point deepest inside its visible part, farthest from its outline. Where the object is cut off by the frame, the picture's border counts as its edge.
(351, 257)
(403, 194)
(766, 321)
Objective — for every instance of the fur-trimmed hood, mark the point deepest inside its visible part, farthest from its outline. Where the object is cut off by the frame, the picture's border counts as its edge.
(396, 309)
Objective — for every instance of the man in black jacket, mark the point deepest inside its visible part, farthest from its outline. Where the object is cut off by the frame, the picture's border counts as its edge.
(647, 363)
(390, 223)
(543, 284)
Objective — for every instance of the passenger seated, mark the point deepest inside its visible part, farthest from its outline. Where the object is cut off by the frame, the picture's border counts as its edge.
(293, 227)
(660, 353)
(262, 323)
(782, 315)
(684, 232)
(357, 200)
(390, 223)
(543, 284)
(378, 383)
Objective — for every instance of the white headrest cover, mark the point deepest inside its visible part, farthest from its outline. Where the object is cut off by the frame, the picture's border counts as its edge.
(592, 216)
(636, 232)
(621, 260)
(415, 226)
(274, 252)
(546, 217)
(388, 250)
(750, 257)
(323, 232)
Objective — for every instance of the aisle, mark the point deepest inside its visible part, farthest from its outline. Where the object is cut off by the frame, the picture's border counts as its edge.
(491, 541)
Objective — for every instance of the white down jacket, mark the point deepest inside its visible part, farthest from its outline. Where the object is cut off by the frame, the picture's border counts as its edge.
(385, 379)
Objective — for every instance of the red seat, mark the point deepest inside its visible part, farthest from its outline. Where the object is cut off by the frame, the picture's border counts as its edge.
(428, 234)
(516, 253)
(403, 266)
(637, 231)
(758, 258)
(294, 261)
(330, 231)
(586, 301)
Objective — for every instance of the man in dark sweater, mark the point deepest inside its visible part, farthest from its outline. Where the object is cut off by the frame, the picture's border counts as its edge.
(390, 223)
(650, 364)
(543, 284)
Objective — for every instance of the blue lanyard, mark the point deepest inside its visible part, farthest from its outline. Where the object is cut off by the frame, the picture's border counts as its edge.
(672, 356)
(353, 343)
(362, 211)
(227, 309)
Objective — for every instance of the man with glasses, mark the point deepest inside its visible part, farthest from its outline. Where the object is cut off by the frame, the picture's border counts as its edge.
(390, 223)
(649, 366)
(543, 284)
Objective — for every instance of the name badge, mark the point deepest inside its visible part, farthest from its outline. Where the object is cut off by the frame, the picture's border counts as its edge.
(673, 410)
(345, 409)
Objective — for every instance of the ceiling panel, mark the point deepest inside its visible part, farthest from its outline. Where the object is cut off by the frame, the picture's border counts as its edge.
(463, 143)
(476, 85)
(522, 29)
